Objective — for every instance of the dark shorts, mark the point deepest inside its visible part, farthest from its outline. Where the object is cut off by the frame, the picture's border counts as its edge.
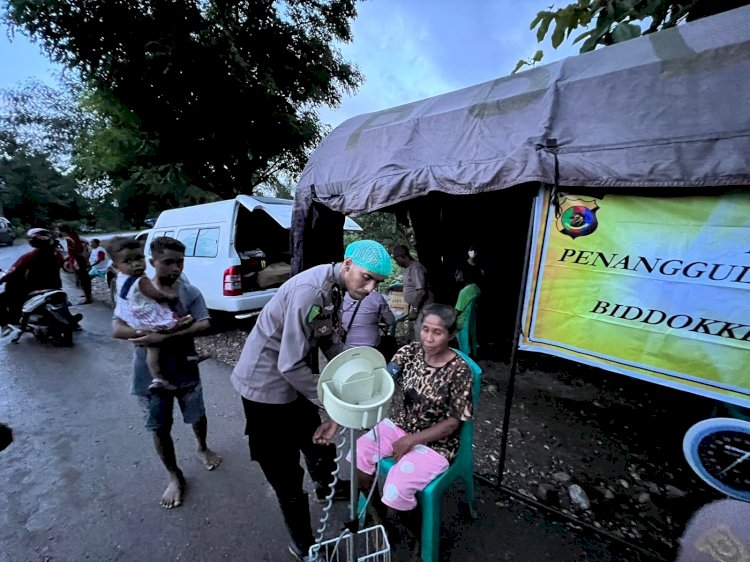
(158, 406)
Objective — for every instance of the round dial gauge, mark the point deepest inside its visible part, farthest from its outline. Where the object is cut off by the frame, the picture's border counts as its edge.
(718, 450)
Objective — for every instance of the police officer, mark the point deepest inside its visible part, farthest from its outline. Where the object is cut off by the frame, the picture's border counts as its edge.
(278, 385)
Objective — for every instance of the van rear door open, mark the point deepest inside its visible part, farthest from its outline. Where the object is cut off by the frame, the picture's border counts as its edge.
(237, 250)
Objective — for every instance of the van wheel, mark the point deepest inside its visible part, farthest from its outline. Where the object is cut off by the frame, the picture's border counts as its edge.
(221, 321)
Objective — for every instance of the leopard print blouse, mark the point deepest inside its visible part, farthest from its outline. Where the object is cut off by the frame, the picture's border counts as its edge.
(433, 394)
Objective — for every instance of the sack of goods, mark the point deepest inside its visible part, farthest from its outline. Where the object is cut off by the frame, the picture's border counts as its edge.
(274, 275)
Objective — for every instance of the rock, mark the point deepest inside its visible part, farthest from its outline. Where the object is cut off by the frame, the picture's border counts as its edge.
(624, 483)
(547, 494)
(645, 497)
(673, 492)
(524, 492)
(605, 492)
(561, 476)
(579, 497)
(653, 489)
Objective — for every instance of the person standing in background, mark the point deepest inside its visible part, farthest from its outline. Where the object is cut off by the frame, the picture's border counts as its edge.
(97, 260)
(78, 260)
(417, 292)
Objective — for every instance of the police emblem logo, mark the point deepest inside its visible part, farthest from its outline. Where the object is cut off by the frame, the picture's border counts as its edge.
(576, 215)
(313, 313)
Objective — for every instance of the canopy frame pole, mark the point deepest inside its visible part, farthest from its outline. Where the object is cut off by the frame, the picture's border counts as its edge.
(514, 351)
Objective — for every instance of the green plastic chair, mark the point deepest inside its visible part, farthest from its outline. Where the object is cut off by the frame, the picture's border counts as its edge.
(467, 337)
(462, 467)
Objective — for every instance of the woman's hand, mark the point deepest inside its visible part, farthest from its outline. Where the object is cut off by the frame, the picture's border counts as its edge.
(403, 446)
(325, 432)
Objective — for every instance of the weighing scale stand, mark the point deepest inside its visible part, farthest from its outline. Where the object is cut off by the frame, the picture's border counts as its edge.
(353, 550)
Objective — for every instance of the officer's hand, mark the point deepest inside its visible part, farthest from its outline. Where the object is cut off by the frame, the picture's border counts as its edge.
(325, 432)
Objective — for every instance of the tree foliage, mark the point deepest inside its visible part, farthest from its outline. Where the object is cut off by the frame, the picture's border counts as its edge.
(612, 21)
(33, 192)
(196, 99)
(44, 118)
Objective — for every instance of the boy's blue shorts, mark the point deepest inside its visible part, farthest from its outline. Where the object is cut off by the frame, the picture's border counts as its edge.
(158, 406)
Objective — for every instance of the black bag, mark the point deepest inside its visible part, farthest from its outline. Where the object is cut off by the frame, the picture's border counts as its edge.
(387, 346)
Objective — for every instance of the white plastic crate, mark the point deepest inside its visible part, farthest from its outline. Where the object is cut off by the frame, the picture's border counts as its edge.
(372, 544)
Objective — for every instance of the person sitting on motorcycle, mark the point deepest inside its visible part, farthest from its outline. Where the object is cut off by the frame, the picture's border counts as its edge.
(138, 302)
(36, 270)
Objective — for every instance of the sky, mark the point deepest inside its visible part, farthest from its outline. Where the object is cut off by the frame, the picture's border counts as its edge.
(407, 50)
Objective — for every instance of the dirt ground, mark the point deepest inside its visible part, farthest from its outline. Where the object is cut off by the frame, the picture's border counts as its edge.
(577, 429)
(616, 438)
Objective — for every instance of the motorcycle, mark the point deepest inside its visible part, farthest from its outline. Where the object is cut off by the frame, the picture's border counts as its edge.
(46, 314)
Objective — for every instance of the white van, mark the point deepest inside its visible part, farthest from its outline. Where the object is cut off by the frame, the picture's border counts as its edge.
(232, 246)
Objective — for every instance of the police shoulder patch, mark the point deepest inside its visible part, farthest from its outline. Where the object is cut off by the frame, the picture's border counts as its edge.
(313, 313)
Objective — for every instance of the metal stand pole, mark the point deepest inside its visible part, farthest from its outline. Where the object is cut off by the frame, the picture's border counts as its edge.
(353, 550)
(514, 350)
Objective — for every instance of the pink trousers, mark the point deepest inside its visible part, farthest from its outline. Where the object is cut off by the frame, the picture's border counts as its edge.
(411, 474)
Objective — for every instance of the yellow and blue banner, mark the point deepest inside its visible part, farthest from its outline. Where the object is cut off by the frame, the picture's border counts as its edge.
(657, 288)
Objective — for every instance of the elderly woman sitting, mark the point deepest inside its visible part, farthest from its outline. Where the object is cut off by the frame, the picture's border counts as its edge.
(424, 437)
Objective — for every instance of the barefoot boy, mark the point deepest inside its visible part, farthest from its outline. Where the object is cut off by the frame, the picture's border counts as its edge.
(141, 304)
(167, 257)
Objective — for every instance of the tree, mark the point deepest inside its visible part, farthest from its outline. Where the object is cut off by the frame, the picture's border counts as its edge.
(216, 96)
(33, 192)
(113, 158)
(618, 20)
(44, 118)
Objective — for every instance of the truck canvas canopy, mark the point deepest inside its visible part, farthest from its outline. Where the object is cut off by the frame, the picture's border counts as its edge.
(652, 132)
(669, 110)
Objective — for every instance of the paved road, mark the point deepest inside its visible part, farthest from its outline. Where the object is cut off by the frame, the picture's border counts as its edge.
(82, 482)
(9, 254)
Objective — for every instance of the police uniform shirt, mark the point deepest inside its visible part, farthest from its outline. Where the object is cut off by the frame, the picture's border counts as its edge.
(274, 364)
(415, 280)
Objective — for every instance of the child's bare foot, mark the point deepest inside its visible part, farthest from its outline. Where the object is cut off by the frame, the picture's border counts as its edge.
(209, 458)
(161, 384)
(172, 496)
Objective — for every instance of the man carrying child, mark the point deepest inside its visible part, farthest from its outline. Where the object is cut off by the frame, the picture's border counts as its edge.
(176, 347)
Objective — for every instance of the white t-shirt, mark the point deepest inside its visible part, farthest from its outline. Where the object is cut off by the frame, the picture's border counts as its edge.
(96, 253)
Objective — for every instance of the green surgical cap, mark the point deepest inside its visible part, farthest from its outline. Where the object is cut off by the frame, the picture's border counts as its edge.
(369, 255)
